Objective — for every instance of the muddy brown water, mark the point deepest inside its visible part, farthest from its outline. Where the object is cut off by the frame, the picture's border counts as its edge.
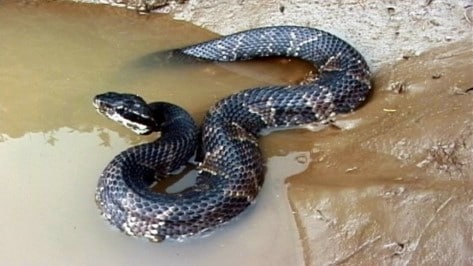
(53, 145)
(393, 187)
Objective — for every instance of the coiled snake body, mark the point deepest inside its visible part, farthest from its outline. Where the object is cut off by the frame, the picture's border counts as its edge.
(231, 172)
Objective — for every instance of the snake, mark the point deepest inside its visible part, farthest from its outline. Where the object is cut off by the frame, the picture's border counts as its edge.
(231, 167)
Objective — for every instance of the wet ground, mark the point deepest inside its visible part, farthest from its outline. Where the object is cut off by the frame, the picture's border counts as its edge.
(392, 185)
(397, 188)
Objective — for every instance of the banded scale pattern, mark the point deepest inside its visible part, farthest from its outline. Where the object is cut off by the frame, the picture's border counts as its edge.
(231, 172)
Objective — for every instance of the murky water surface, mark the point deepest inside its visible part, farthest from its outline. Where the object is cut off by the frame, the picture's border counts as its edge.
(54, 58)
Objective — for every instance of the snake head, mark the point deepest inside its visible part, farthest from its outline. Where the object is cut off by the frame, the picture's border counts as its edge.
(127, 109)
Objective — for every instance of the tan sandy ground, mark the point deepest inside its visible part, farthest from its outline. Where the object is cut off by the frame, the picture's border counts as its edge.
(396, 189)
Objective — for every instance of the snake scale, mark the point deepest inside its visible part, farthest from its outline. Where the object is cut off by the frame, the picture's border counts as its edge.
(231, 171)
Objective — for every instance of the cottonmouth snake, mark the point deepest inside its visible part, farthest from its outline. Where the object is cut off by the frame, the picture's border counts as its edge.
(231, 172)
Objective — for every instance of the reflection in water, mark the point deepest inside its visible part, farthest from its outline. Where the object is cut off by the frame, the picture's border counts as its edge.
(53, 146)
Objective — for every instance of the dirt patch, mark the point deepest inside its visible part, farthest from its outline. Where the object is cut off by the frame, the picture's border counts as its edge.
(396, 189)
(144, 6)
(383, 31)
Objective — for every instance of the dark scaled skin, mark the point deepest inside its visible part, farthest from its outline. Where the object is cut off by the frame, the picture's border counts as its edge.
(231, 172)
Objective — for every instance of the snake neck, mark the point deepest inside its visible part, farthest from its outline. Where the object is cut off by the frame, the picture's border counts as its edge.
(173, 121)
(178, 132)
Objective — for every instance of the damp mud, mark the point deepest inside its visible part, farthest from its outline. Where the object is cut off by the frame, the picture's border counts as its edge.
(396, 188)
(387, 185)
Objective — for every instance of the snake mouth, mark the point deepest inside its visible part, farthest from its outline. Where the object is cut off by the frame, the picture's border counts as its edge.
(100, 106)
(104, 108)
